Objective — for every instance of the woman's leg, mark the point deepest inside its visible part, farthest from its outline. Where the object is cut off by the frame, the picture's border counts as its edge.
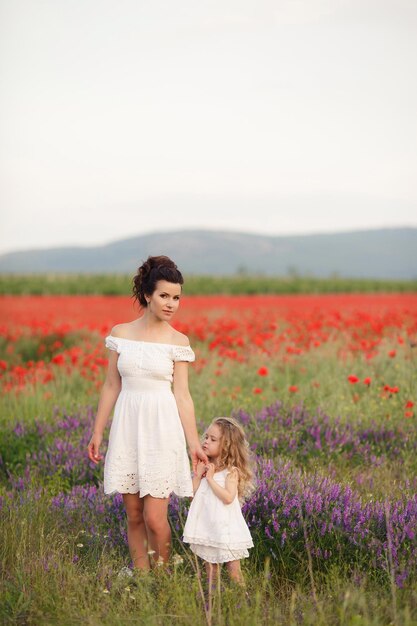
(235, 573)
(155, 513)
(136, 531)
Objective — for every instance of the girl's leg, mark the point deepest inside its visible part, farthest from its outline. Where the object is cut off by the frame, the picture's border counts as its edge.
(235, 573)
(155, 513)
(136, 530)
(213, 575)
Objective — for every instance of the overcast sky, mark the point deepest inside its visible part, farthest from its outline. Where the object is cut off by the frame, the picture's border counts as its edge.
(125, 117)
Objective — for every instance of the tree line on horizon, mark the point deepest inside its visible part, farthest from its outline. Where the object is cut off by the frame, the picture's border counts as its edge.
(238, 284)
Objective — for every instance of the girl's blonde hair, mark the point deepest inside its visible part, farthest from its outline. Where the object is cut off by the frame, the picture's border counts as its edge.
(235, 452)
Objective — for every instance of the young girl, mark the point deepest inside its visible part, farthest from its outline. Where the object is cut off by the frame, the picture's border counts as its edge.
(215, 528)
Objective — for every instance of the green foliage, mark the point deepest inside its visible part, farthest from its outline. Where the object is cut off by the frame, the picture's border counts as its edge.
(13, 449)
(119, 284)
(52, 576)
(33, 346)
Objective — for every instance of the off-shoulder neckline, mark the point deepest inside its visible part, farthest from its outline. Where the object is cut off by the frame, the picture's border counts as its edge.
(155, 343)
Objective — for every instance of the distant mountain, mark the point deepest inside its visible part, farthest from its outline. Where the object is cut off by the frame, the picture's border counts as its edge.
(385, 253)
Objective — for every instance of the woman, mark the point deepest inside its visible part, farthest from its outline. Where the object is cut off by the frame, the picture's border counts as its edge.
(146, 458)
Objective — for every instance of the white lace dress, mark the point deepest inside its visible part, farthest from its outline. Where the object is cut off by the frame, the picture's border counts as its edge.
(216, 532)
(147, 449)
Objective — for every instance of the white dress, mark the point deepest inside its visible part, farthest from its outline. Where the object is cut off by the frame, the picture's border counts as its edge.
(147, 449)
(216, 532)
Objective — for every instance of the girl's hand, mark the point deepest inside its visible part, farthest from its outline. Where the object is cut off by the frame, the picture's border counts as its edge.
(93, 449)
(197, 454)
(210, 470)
(201, 469)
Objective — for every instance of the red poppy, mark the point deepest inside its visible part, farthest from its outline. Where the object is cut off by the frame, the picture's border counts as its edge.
(395, 389)
(392, 353)
(293, 388)
(257, 390)
(263, 371)
(409, 405)
(59, 359)
(353, 379)
(367, 380)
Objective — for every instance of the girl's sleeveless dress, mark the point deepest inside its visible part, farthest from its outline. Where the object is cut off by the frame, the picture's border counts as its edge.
(147, 449)
(216, 532)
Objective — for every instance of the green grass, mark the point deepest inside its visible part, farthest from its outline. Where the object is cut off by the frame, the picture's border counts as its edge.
(51, 577)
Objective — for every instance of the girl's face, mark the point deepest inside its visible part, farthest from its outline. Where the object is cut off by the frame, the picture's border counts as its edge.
(165, 300)
(212, 442)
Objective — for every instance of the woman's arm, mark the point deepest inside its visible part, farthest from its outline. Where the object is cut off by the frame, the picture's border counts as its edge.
(186, 410)
(108, 397)
(227, 493)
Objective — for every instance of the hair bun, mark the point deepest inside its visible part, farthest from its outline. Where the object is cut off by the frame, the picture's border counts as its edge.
(145, 269)
(153, 269)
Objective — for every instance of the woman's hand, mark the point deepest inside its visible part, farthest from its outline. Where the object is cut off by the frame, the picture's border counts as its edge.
(210, 470)
(197, 454)
(94, 447)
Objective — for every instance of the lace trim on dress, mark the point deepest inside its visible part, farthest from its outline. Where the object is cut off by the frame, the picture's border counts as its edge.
(121, 476)
(129, 483)
(179, 353)
(184, 353)
(153, 489)
(111, 343)
(219, 556)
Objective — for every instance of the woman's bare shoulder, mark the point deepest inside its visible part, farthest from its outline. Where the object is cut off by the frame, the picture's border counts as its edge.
(179, 339)
(124, 331)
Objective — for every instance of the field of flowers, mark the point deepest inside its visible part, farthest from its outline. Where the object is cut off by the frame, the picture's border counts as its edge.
(325, 386)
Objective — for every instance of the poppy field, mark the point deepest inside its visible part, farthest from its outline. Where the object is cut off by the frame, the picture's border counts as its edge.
(325, 386)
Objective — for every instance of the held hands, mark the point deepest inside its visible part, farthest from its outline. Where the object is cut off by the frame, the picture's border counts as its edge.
(210, 469)
(93, 449)
(197, 454)
(205, 470)
(201, 469)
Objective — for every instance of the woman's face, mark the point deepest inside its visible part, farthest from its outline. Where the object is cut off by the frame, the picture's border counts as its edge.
(165, 300)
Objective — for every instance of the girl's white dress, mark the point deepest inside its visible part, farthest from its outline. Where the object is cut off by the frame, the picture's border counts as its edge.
(147, 449)
(216, 532)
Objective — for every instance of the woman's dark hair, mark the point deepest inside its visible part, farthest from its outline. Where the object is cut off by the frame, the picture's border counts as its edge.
(153, 269)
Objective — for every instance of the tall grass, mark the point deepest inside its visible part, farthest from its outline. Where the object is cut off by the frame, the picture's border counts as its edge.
(51, 577)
